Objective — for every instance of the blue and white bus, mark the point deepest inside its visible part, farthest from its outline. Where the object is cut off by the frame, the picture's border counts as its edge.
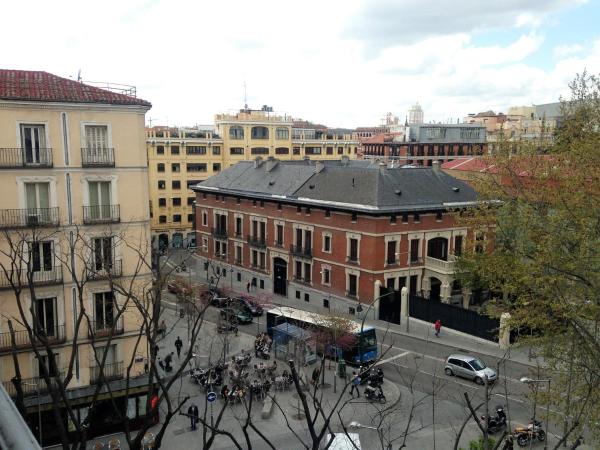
(365, 342)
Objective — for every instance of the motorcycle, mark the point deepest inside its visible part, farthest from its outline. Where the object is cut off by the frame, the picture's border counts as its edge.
(375, 394)
(497, 422)
(531, 432)
(227, 327)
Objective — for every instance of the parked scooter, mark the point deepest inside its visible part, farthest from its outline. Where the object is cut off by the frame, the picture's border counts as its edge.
(529, 433)
(375, 393)
(497, 422)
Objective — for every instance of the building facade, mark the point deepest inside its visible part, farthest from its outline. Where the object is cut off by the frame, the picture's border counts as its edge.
(74, 181)
(180, 158)
(333, 232)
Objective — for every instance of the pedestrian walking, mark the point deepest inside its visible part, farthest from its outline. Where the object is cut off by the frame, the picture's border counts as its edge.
(437, 326)
(355, 383)
(178, 345)
(163, 328)
(193, 415)
(168, 360)
(315, 376)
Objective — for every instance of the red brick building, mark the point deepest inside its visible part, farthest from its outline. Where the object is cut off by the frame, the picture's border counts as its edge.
(333, 232)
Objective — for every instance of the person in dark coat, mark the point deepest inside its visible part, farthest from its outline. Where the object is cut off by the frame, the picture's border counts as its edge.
(168, 360)
(178, 345)
(315, 376)
(193, 415)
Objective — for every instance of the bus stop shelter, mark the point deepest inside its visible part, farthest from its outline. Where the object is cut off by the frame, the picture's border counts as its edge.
(293, 342)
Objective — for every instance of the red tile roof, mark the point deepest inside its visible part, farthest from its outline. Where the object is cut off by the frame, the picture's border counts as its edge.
(38, 86)
(473, 164)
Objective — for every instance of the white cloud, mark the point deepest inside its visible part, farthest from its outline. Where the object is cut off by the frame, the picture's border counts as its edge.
(561, 51)
(190, 59)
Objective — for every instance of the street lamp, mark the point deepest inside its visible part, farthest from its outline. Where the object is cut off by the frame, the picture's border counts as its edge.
(529, 381)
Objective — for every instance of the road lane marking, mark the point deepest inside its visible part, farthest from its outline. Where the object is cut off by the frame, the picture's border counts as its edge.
(383, 361)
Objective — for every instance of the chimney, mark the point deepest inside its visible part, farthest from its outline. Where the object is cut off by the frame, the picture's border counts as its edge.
(257, 162)
(435, 165)
(271, 163)
(319, 166)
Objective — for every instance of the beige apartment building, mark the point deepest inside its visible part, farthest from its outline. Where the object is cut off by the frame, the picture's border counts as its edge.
(73, 177)
(179, 158)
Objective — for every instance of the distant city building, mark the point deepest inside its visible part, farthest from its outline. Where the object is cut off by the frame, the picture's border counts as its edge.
(333, 233)
(415, 114)
(180, 158)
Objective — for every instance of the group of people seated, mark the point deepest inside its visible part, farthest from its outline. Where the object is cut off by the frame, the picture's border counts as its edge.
(262, 345)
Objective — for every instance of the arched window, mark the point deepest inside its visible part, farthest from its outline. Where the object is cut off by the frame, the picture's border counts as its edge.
(236, 132)
(260, 133)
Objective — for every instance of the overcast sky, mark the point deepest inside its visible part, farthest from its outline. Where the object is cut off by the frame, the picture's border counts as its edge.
(342, 63)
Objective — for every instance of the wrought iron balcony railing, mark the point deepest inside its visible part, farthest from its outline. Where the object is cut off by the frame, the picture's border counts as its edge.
(105, 328)
(28, 158)
(38, 278)
(33, 386)
(101, 214)
(299, 250)
(97, 157)
(219, 233)
(257, 241)
(104, 271)
(30, 217)
(53, 335)
(112, 371)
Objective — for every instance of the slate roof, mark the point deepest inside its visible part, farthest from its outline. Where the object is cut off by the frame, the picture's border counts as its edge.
(344, 185)
(39, 86)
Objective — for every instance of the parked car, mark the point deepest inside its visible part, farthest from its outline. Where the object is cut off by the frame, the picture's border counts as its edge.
(469, 367)
(176, 287)
(249, 304)
(220, 302)
(236, 315)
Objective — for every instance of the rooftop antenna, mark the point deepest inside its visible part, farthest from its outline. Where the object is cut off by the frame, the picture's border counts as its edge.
(245, 96)
(79, 76)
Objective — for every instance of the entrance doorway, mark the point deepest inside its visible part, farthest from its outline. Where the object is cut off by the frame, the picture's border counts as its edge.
(280, 276)
(177, 240)
(163, 242)
(436, 288)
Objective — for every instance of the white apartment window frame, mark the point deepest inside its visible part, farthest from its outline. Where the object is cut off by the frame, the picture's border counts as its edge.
(325, 268)
(396, 238)
(102, 288)
(116, 247)
(355, 272)
(204, 244)
(91, 123)
(276, 223)
(51, 180)
(235, 252)
(48, 292)
(356, 236)
(204, 215)
(43, 123)
(112, 179)
(329, 235)
(237, 216)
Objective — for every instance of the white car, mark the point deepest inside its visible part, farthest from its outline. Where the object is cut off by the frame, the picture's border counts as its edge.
(469, 367)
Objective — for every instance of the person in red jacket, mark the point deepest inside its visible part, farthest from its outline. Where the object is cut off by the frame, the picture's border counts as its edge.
(437, 326)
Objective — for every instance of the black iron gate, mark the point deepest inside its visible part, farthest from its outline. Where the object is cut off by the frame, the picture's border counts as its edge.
(389, 305)
(454, 317)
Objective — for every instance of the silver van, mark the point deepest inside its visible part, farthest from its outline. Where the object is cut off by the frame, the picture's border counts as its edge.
(469, 367)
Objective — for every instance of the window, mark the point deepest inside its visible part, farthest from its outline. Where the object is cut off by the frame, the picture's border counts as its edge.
(190, 201)
(325, 303)
(282, 151)
(175, 168)
(438, 216)
(261, 284)
(307, 272)
(216, 150)
(278, 206)
(354, 217)
(416, 218)
(176, 201)
(176, 184)
(160, 150)
(236, 132)
(327, 243)
(259, 133)
(190, 218)
(104, 305)
(414, 250)
(204, 218)
(312, 151)
(162, 219)
(282, 133)
(296, 150)
(262, 203)
(160, 167)
(41, 256)
(298, 295)
(196, 167)
(307, 211)
(458, 245)
(259, 151)
(51, 369)
(306, 297)
(479, 238)
(326, 275)
(352, 285)
(327, 213)
(175, 150)
(353, 246)
(239, 276)
(162, 202)
(46, 315)
(404, 217)
(340, 150)
(103, 253)
(238, 255)
(238, 226)
(195, 150)
(279, 235)
(96, 137)
(216, 167)
(391, 252)
(236, 151)
(330, 150)
(393, 218)
(37, 196)
(161, 184)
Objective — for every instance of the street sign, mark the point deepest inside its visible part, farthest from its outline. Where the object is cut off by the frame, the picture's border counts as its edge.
(211, 397)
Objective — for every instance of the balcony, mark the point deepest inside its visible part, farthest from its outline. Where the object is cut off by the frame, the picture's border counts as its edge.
(219, 233)
(258, 267)
(97, 157)
(54, 335)
(25, 158)
(278, 244)
(439, 265)
(32, 386)
(352, 259)
(302, 280)
(101, 214)
(257, 241)
(415, 262)
(106, 271)
(31, 217)
(303, 252)
(113, 371)
(39, 277)
(102, 329)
